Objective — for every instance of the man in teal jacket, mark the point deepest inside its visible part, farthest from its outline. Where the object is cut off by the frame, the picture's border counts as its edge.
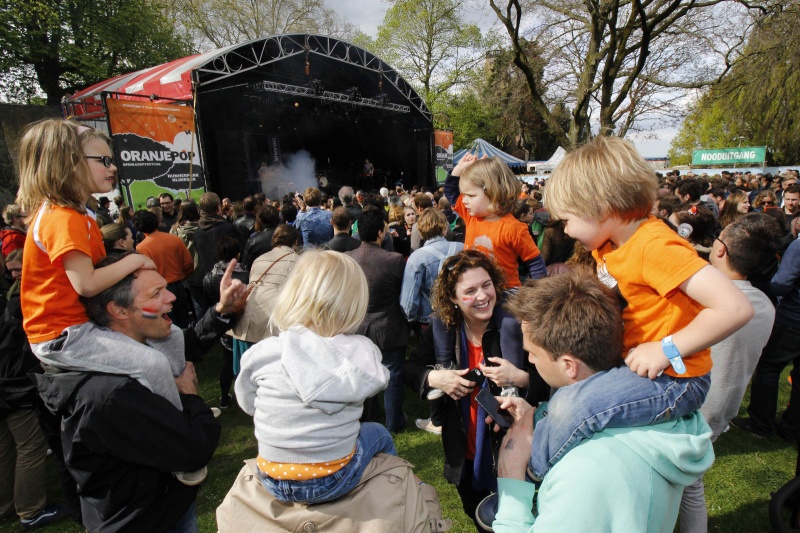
(621, 479)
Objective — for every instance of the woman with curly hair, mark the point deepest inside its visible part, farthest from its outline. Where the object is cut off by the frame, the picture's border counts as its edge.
(465, 298)
(765, 199)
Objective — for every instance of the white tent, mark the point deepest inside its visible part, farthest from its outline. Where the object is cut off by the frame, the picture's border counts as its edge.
(547, 166)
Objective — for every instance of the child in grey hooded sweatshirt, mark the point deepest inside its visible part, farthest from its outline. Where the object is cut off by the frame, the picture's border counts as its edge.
(306, 387)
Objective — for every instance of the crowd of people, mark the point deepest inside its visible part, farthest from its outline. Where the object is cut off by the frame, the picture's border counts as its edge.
(563, 335)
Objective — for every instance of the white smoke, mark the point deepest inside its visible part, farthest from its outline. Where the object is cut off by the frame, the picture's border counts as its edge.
(294, 175)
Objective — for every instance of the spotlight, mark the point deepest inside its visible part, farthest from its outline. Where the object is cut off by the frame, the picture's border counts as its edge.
(318, 87)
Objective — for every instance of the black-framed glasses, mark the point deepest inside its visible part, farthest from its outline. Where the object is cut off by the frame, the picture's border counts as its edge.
(105, 159)
(724, 246)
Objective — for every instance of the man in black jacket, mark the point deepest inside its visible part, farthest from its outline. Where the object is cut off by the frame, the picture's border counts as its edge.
(342, 241)
(123, 440)
(211, 227)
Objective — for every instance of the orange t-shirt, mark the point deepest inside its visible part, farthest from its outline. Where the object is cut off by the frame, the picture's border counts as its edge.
(503, 240)
(169, 253)
(49, 303)
(647, 271)
(475, 355)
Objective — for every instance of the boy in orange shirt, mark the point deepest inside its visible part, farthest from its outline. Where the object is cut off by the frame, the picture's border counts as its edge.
(675, 305)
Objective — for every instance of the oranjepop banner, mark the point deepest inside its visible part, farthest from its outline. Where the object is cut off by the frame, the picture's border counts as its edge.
(154, 145)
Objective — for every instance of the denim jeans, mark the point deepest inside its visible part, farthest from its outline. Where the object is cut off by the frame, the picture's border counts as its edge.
(617, 398)
(186, 523)
(373, 439)
(393, 395)
(782, 348)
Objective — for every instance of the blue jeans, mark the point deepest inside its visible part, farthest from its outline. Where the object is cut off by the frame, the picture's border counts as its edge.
(372, 440)
(617, 398)
(186, 523)
(393, 395)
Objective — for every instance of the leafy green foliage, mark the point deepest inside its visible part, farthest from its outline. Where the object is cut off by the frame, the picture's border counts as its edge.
(431, 44)
(66, 46)
(756, 103)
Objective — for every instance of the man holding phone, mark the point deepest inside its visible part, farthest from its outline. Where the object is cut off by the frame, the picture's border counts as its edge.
(621, 478)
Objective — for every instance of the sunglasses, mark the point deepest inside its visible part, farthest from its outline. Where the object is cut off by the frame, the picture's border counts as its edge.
(106, 160)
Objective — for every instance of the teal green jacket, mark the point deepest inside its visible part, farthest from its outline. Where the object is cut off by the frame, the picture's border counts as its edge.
(622, 479)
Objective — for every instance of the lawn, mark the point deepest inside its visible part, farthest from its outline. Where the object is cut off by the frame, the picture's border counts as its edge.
(738, 487)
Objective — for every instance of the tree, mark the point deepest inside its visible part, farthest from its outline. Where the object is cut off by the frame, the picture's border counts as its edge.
(756, 104)
(614, 61)
(218, 23)
(520, 126)
(70, 45)
(430, 44)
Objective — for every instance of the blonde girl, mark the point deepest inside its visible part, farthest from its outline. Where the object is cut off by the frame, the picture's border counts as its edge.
(484, 193)
(306, 387)
(61, 165)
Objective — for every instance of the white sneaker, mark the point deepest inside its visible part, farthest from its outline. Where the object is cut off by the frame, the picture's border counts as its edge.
(190, 479)
(434, 394)
(425, 424)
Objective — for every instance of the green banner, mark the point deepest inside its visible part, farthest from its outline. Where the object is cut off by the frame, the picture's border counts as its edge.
(728, 156)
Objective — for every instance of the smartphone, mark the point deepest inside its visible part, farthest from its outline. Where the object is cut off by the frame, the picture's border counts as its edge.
(475, 375)
(492, 407)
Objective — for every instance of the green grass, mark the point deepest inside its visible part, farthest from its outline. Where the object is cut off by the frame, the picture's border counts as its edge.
(738, 487)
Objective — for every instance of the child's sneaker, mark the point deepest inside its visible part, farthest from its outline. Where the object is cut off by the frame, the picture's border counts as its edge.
(49, 515)
(190, 479)
(435, 394)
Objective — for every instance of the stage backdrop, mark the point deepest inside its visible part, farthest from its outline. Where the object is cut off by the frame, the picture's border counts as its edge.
(153, 147)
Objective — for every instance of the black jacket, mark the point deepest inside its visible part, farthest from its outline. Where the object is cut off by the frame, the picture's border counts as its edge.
(342, 242)
(256, 246)
(17, 391)
(122, 442)
(210, 229)
(245, 225)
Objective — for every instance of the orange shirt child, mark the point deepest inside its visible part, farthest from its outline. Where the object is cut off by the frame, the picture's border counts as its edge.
(504, 240)
(647, 271)
(50, 304)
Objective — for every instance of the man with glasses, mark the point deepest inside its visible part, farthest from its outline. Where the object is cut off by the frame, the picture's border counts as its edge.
(12, 236)
(169, 215)
(744, 248)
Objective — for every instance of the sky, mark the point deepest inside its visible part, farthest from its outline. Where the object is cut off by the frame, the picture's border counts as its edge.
(368, 14)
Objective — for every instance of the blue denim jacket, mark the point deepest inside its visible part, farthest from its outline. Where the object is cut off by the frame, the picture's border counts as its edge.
(315, 225)
(422, 269)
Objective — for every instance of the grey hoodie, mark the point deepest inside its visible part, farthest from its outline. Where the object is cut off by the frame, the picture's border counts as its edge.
(307, 393)
(89, 348)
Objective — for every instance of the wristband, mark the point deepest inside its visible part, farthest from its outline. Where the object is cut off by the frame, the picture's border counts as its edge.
(672, 353)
